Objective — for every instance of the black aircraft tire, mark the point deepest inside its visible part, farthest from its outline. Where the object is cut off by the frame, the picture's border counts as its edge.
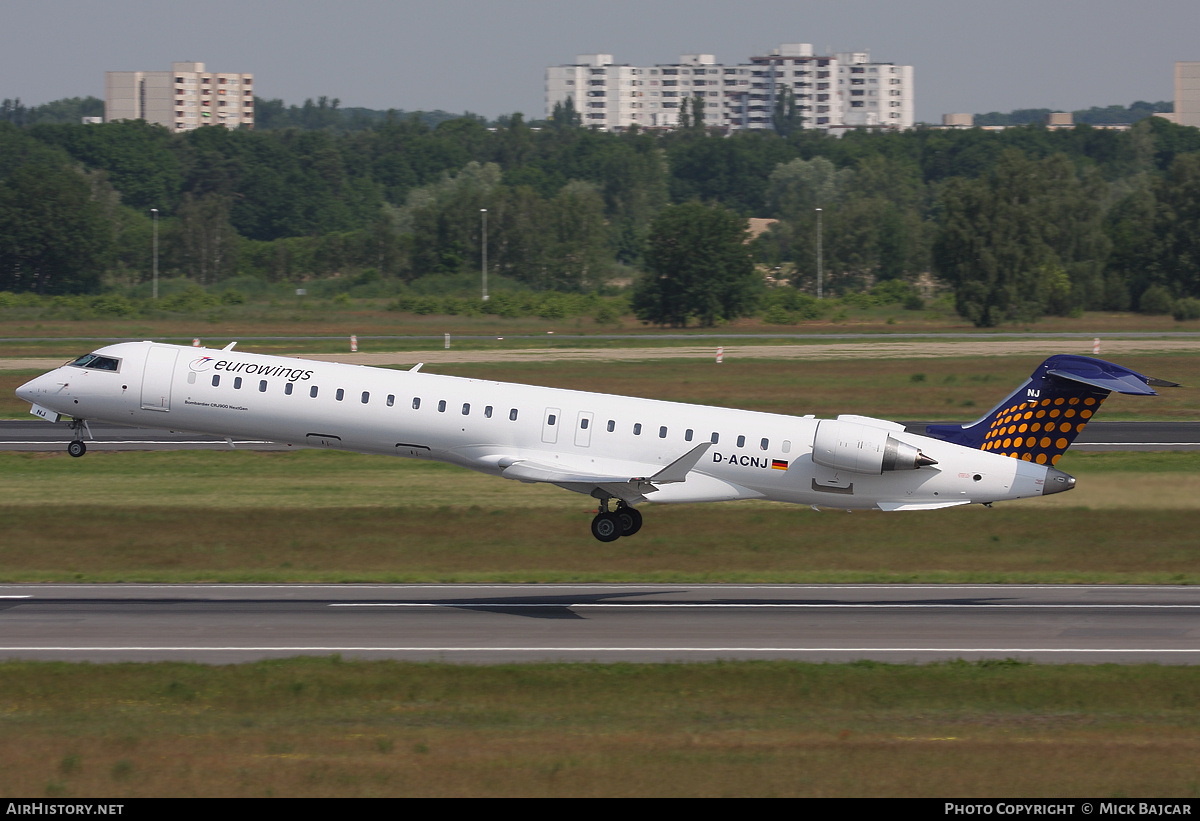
(606, 527)
(631, 520)
(77, 448)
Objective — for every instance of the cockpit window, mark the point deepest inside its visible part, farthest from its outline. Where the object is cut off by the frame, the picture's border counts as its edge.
(96, 362)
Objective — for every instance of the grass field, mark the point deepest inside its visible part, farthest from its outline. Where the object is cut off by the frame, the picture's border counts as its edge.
(317, 515)
(325, 728)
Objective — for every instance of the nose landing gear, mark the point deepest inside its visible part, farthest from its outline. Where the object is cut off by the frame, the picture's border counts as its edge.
(77, 448)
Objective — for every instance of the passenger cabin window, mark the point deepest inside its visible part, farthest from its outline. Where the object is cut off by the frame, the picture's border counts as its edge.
(687, 435)
(313, 391)
(262, 386)
(787, 445)
(466, 408)
(391, 399)
(216, 379)
(442, 406)
(237, 383)
(612, 425)
(551, 419)
(340, 395)
(288, 387)
(741, 440)
(716, 437)
(637, 429)
(583, 423)
(763, 444)
(662, 432)
(191, 377)
(487, 412)
(366, 397)
(512, 414)
(416, 403)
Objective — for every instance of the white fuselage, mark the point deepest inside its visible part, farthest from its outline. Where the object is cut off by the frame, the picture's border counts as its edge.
(491, 426)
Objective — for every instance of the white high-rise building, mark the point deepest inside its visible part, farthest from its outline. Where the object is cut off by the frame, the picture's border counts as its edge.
(1187, 93)
(603, 93)
(810, 79)
(829, 92)
(665, 88)
(181, 99)
(874, 94)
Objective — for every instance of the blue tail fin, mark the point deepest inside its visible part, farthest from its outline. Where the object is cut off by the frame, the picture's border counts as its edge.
(1041, 419)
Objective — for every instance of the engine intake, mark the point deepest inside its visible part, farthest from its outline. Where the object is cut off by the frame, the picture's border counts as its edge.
(842, 445)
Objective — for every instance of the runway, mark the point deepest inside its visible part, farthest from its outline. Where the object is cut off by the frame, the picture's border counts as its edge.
(489, 624)
(38, 435)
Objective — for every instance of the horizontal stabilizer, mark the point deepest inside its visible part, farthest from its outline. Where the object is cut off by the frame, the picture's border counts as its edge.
(1107, 376)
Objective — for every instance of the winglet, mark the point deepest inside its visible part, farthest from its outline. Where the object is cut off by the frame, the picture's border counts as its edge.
(678, 470)
(416, 367)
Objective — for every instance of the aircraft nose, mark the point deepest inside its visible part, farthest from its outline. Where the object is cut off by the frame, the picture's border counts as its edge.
(25, 392)
(1057, 481)
(37, 388)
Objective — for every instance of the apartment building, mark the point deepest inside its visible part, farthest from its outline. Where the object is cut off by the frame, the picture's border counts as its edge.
(1187, 95)
(604, 93)
(874, 94)
(829, 91)
(184, 98)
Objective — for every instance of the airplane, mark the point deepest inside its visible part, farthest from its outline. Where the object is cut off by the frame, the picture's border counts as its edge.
(623, 451)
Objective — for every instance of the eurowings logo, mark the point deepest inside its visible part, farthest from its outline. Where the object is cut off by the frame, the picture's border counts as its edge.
(205, 363)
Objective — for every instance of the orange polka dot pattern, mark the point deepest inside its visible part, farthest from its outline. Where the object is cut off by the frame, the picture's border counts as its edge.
(1040, 430)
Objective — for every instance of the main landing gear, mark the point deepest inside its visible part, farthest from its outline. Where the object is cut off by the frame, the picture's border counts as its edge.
(77, 448)
(608, 526)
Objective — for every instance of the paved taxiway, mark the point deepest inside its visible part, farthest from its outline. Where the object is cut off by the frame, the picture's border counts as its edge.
(606, 623)
(37, 435)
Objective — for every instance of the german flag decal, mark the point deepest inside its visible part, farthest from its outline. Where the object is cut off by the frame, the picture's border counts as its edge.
(779, 464)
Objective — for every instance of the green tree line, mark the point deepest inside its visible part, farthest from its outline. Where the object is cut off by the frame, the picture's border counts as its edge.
(1019, 223)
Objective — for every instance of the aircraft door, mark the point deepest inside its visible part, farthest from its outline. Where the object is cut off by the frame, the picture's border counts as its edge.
(583, 429)
(156, 378)
(550, 423)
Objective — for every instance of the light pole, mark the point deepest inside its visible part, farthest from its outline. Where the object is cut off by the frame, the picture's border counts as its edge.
(154, 211)
(483, 211)
(819, 260)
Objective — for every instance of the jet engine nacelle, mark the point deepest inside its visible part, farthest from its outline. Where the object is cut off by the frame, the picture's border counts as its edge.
(859, 448)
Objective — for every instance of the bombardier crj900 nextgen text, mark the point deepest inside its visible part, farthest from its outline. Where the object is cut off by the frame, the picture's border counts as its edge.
(621, 450)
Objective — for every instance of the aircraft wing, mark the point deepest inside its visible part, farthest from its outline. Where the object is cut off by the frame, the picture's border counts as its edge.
(623, 486)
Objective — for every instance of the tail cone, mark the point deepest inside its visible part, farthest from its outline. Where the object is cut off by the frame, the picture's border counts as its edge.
(1057, 481)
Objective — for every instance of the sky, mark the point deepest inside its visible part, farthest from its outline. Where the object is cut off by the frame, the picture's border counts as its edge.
(489, 57)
